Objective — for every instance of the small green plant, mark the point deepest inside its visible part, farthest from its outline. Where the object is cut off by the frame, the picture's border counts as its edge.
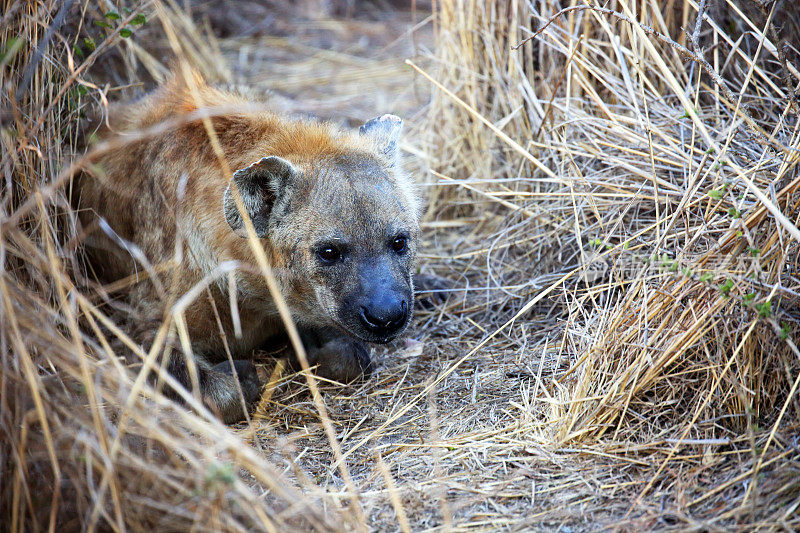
(726, 287)
(10, 49)
(138, 20)
(785, 329)
(220, 474)
(687, 113)
(765, 309)
(706, 277)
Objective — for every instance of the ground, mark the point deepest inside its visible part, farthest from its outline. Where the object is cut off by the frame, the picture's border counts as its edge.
(459, 436)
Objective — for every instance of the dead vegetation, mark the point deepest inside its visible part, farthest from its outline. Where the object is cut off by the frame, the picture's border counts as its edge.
(612, 186)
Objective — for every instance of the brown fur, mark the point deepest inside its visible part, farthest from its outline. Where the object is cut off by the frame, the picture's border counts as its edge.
(344, 183)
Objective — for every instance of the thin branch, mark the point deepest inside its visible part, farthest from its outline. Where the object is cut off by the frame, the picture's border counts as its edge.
(780, 47)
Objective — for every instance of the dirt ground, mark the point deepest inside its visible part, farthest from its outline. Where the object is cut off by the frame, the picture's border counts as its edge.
(441, 425)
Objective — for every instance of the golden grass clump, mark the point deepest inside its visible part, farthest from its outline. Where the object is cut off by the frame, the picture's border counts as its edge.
(638, 184)
(86, 444)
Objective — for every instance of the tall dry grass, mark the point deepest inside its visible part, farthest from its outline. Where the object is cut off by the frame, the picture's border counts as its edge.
(88, 444)
(633, 172)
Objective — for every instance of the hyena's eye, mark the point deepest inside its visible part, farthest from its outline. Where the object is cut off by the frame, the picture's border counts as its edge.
(328, 254)
(400, 244)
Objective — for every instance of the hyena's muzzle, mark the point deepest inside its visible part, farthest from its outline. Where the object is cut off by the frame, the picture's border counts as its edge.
(381, 307)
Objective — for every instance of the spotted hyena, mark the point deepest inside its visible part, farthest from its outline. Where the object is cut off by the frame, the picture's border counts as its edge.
(334, 213)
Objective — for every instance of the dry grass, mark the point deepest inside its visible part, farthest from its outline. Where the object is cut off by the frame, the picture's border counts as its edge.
(618, 351)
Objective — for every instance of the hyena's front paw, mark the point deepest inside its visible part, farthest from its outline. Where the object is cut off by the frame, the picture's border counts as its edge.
(431, 290)
(342, 359)
(222, 392)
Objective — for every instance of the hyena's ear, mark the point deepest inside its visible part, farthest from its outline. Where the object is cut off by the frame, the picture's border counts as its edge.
(260, 185)
(385, 132)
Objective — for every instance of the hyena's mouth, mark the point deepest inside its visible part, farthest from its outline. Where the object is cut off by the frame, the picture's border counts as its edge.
(364, 334)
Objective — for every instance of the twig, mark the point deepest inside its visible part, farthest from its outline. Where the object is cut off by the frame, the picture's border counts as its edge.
(780, 47)
(701, 10)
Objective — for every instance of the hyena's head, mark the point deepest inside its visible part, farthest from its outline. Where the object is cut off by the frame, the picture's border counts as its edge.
(344, 225)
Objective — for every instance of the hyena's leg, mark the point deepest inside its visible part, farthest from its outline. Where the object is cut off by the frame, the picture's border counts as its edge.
(218, 385)
(430, 290)
(335, 356)
(219, 389)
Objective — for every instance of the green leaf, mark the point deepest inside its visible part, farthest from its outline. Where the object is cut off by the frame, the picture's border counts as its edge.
(82, 90)
(76, 50)
(765, 309)
(715, 194)
(89, 43)
(785, 329)
(220, 473)
(726, 287)
(138, 20)
(10, 48)
(735, 213)
(102, 23)
(748, 298)
(754, 251)
(125, 33)
(112, 15)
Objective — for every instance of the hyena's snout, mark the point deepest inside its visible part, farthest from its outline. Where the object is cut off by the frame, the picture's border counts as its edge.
(385, 314)
(382, 308)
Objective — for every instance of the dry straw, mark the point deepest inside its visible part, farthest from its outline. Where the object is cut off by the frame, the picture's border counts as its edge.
(614, 190)
(647, 157)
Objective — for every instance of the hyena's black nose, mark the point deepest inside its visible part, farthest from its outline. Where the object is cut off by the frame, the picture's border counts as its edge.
(385, 316)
